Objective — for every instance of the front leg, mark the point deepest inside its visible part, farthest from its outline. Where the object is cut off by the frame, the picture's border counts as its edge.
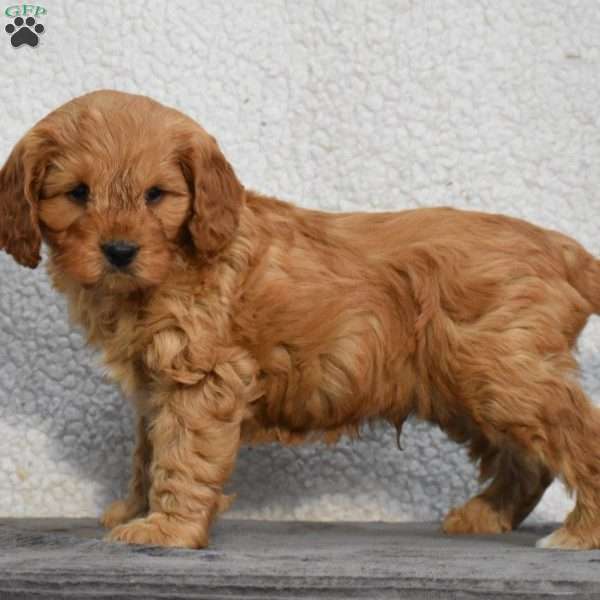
(136, 502)
(194, 431)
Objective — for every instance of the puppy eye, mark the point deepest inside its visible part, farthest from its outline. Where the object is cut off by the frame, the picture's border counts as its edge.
(153, 195)
(80, 193)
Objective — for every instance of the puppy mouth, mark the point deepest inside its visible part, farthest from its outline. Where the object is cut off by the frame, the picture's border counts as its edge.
(115, 270)
(127, 278)
(119, 257)
(119, 280)
(124, 273)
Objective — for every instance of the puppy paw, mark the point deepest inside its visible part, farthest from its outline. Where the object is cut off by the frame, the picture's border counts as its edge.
(158, 529)
(119, 512)
(475, 517)
(563, 539)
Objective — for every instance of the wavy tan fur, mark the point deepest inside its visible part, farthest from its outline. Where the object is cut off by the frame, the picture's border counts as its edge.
(245, 319)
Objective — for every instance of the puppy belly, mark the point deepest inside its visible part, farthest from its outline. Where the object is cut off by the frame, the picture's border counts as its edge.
(297, 409)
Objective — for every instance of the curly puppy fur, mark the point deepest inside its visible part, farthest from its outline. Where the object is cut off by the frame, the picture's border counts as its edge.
(245, 319)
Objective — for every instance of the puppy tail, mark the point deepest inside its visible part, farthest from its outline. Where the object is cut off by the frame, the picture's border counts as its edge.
(583, 272)
(593, 285)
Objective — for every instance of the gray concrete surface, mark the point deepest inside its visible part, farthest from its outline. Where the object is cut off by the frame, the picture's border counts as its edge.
(60, 558)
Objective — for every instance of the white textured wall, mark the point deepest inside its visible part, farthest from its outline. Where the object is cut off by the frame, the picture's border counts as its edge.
(340, 105)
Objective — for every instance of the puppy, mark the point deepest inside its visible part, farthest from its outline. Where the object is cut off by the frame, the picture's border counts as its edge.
(229, 317)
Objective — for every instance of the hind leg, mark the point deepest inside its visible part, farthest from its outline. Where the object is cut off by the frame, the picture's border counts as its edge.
(517, 485)
(532, 402)
(577, 459)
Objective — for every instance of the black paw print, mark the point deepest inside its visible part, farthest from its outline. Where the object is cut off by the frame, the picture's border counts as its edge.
(20, 35)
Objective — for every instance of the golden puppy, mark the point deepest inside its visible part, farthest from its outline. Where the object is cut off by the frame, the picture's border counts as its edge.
(230, 317)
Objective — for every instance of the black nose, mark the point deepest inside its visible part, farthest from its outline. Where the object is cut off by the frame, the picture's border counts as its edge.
(120, 254)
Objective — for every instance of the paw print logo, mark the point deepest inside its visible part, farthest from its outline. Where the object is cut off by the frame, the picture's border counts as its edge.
(24, 32)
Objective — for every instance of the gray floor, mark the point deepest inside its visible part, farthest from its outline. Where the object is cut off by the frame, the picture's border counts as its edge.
(54, 558)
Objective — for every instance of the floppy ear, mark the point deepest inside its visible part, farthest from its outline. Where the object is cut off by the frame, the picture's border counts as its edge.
(218, 195)
(19, 186)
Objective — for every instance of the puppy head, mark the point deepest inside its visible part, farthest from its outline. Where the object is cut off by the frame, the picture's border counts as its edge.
(117, 185)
